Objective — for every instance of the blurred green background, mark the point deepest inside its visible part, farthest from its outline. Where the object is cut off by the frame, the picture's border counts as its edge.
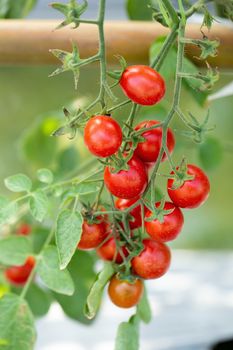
(27, 94)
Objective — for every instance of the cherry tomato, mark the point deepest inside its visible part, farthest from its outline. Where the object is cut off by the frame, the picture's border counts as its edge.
(127, 183)
(123, 204)
(24, 229)
(193, 192)
(102, 135)
(125, 294)
(108, 252)
(153, 261)
(18, 275)
(148, 151)
(170, 227)
(92, 234)
(143, 85)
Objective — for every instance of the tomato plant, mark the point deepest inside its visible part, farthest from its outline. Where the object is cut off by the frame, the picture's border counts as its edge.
(107, 203)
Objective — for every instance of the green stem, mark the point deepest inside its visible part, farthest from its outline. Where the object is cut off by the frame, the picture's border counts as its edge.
(102, 54)
(171, 10)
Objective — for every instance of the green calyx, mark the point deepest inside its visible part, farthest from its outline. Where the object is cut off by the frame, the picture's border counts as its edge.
(72, 12)
(181, 175)
(158, 212)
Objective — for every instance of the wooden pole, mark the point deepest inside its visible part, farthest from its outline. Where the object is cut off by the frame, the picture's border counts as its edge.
(29, 41)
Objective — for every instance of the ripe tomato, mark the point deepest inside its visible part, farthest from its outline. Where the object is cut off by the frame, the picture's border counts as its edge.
(193, 192)
(127, 183)
(24, 229)
(148, 151)
(143, 85)
(18, 275)
(108, 251)
(92, 234)
(123, 204)
(168, 229)
(125, 294)
(153, 261)
(102, 135)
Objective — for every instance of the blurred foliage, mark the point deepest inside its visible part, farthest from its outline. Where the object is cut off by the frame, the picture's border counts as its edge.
(16, 8)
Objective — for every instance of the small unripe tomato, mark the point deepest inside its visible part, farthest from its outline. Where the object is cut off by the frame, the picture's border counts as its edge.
(102, 135)
(142, 85)
(108, 251)
(192, 193)
(148, 150)
(18, 275)
(171, 226)
(125, 294)
(153, 261)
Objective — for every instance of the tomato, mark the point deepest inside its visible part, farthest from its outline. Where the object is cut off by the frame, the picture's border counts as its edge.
(24, 229)
(102, 136)
(153, 261)
(18, 275)
(108, 251)
(143, 85)
(148, 151)
(123, 204)
(92, 234)
(170, 227)
(193, 192)
(125, 294)
(129, 183)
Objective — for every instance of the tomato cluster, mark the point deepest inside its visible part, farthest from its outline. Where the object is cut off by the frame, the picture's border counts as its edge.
(147, 257)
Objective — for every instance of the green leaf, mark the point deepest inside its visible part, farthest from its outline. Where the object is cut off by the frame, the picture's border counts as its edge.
(7, 210)
(4, 8)
(82, 270)
(139, 10)
(68, 234)
(68, 160)
(16, 324)
(14, 250)
(45, 175)
(20, 8)
(51, 275)
(143, 308)
(18, 183)
(39, 205)
(39, 300)
(95, 295)
(210, 153)
(128, 335)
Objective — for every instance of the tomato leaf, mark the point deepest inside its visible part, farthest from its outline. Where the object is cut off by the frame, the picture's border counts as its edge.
(51, 275)
(83, 278)
(95, 295)
(210, 153)
(68, 234)
(16, 324)
(18, 183)
(143, 308)
(14, 250)
(128, 335)
(139, 10)
(7, 210)
(39, 205)
(45, 175)
(39, 300)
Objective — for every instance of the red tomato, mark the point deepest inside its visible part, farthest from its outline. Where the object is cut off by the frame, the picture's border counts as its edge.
(18, 275)
(108, 252)
(127, 183)
(125, 294)
(92, 235)
(193, 192)
(24, 229)
(153, 261)
(102, 135)
(143, 85)
(123, 204)
(148, 151)
(168, 229)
